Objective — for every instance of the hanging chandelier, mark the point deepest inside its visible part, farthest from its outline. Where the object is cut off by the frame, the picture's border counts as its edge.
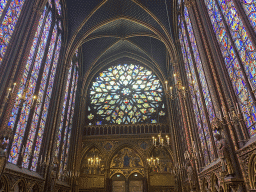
(153, 161)
(160, 141)
(94, 161)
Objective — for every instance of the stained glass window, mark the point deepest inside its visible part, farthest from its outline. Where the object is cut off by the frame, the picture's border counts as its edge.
(29, 114)
(233, 38)
(194, 69)
(125, 94)
(200, 116)
(179, 3)
(11, 10)
(58, 6)
(66, 120)
(250, 10)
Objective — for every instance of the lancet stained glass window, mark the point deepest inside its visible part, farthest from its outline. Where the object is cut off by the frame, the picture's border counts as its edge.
(250, 10)
(233, 38)
(9, 14)
(200, 116)
(66, 119)
(29, 114)
(125, 94)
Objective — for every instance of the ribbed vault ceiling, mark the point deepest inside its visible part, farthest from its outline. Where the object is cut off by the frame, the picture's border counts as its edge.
(121, 30)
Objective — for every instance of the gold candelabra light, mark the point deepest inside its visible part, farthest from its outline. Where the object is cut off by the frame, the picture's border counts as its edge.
(94, 161)
(159, 141)
(153, 161)
(178, 86)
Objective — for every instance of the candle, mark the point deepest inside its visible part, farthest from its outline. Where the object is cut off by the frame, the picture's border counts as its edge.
(159, 137)
(237, 108)
(166, 82)
(175, 78)
(8, 92)
(153, 139)
(157, 160)
(171, 90)
(14, 84)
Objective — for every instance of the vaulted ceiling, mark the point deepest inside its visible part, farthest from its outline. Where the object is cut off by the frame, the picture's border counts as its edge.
(122, 30)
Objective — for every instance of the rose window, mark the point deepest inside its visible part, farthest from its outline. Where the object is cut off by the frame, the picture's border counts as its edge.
(125, 94)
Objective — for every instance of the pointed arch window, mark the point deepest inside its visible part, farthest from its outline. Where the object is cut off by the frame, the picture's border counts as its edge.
(238, 51)
(66, 119)
(9, 14)
(29, 114)
(201, 98)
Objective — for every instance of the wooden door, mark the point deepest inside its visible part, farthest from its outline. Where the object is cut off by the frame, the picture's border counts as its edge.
(135, 186)
(118, 186)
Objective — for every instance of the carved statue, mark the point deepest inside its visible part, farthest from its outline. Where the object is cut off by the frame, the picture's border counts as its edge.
(5, 134)
(224, 154)
(191, 175)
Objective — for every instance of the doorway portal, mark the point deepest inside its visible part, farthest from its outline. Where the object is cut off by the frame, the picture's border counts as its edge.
(118, 183)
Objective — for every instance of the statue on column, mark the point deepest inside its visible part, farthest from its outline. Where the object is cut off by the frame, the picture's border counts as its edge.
(5, 135)
(191, 176)
(224, 154)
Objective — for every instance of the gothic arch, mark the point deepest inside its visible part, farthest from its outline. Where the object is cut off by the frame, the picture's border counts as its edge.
(119, 148)
(252, 171)
(168, 43)
(215, 184)
(21, 185)
(86, 150)
(34, 188)
(170, 152)
(87, 78)
(4, 183)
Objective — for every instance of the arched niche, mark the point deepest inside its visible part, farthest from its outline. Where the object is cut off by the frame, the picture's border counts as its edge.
(92, 170)
(92, 163)
(252, 171)
(35, 188)
(118, 182)
(205, 186)
(4, 187)
(126, 161)
(161, 175)
(164, 164)
(136, 182)
(215, 184)
(20, 186)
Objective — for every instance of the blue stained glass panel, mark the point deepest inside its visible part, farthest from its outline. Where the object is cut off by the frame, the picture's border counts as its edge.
(9, 23)
(249, 7)
(241, 40)
(27, 104)
(200, 115)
